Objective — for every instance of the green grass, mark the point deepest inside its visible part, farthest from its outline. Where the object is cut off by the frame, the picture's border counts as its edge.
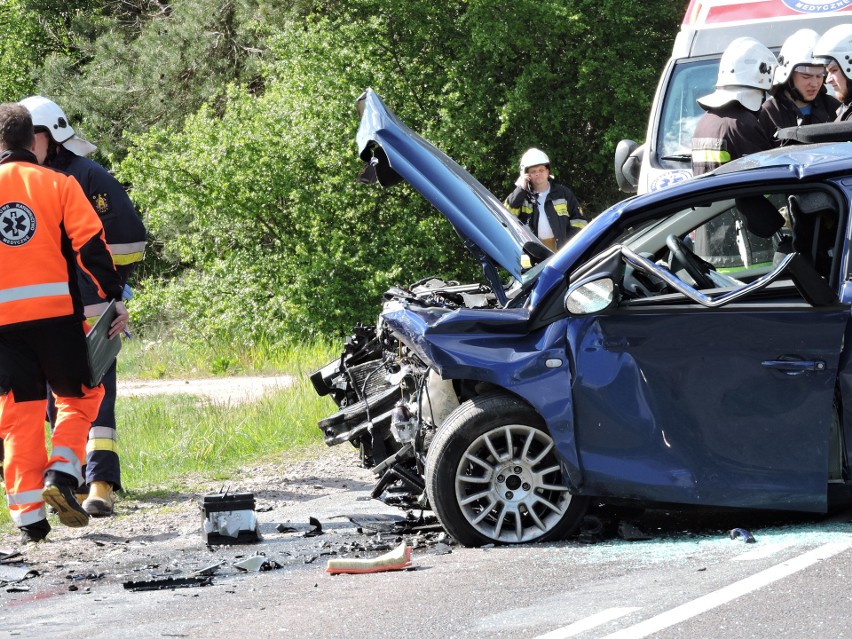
(169, 440)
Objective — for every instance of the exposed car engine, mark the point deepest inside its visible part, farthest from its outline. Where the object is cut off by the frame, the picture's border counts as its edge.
(390, 401)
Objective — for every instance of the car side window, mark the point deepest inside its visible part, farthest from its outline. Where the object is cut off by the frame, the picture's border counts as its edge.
(731, 242)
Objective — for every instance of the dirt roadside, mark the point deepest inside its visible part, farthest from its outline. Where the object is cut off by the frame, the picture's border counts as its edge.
(160, 536)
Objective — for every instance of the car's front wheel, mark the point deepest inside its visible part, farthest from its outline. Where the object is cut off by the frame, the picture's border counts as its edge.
(492, 476)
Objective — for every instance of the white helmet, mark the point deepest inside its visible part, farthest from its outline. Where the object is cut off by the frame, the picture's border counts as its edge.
(797, 50)
(534, 157)
(745, 75)
(46, 113)
(835, 45)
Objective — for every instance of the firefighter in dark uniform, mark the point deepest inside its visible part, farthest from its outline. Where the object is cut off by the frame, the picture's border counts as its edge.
(834, 48)
(58, 147)
(729, 129)
(551, 210)
(46, 225)
(798, 91)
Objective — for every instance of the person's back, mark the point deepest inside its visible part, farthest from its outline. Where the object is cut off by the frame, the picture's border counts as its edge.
(33, 225)
(729, 130)
(46, 226)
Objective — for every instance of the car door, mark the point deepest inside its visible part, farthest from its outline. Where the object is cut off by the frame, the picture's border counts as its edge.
(732, 405)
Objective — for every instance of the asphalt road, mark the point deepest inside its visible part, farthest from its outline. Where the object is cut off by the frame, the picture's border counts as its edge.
(690, 579)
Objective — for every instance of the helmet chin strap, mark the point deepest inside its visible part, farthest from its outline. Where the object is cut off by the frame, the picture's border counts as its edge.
(794, 92)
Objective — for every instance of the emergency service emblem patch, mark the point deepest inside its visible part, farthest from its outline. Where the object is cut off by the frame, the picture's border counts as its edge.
(817, 6)
(101, 203)
(17, 224)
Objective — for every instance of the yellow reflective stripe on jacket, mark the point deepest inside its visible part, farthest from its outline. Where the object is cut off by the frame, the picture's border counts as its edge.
(561, 206)
(578, 223)
(710, 156)
(129, 253)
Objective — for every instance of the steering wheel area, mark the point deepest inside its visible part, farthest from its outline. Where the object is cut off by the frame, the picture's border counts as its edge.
(683, 258)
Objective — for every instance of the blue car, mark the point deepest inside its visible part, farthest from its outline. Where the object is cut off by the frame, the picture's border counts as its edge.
(685, 348)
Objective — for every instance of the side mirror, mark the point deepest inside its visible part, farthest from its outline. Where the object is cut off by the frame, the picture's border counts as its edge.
(628, 163)
(590, 296)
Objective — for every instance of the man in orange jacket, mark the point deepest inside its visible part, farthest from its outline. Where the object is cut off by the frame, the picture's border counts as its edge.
(46, 223)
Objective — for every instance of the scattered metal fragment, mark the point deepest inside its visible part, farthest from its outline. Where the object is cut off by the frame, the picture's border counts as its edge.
(13, 573)
(208, 570)
(379, 522)
(169, 583)
(742, 532)
(18, 588)
(8, 555)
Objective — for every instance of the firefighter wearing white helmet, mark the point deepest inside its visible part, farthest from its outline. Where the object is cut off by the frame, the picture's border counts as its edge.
(835, 49)
(729, 129)
(48, 117)
(798, 91)
(58, 146)
(550, 210)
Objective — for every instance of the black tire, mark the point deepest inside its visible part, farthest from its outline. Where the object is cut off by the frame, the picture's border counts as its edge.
(515, 497)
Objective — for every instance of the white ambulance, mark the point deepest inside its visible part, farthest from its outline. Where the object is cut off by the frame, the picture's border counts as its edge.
(707, 29)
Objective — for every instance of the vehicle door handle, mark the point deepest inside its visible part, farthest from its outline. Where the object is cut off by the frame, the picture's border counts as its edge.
(795, 367)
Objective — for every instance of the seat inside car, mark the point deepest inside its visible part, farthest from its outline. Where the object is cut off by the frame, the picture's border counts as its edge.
(814, 219)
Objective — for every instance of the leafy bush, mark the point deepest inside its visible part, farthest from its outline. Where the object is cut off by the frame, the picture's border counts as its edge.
(261, 230)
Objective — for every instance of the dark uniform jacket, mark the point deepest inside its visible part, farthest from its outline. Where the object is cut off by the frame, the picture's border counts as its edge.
(125, 233)
(561, 207)
(724, 134)
(781, 112)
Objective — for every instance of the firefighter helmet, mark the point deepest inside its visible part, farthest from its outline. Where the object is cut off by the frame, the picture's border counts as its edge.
(745, 75)
(47, 114)
(835, 45)
(534, 157)
(797, 50)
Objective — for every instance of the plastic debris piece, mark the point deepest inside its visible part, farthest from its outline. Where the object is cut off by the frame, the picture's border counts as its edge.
(251, 564)
(742, 532)
(282, 528)
(169, 583)
(317, 527)
(397, 559)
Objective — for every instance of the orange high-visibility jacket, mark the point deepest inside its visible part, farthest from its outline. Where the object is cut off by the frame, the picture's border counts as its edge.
(45, 219)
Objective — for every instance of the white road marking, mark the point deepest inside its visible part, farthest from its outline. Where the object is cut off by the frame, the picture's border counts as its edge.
(763, 552)
(588, 623)
(729, 593)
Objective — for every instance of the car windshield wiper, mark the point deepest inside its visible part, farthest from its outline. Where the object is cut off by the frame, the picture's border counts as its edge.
(678, 157)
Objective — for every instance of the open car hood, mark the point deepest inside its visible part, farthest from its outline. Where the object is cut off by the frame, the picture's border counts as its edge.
(393, 152)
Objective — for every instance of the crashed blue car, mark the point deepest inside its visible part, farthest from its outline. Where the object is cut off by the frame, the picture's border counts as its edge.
(685, 348)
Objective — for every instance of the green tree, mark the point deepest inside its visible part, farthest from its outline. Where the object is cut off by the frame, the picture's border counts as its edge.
(253, 201)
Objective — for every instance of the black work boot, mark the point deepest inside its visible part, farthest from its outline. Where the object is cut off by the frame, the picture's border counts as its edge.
(32, 533)
(59, 493)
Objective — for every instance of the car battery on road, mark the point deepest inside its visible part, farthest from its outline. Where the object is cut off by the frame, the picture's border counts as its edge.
(229, 519)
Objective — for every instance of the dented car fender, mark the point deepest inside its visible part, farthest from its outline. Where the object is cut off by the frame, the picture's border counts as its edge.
(496, 347)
